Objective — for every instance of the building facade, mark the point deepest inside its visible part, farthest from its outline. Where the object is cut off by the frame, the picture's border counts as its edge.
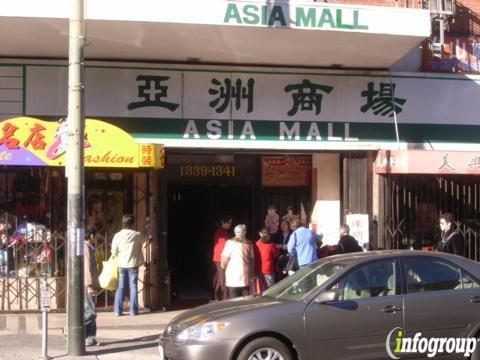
(323, 107)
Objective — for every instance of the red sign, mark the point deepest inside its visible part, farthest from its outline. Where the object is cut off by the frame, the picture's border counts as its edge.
(286, 171)
(459, 54)
(427, 162)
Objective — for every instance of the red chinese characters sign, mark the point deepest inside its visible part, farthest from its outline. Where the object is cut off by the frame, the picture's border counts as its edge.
(279, 171)
(427, 162)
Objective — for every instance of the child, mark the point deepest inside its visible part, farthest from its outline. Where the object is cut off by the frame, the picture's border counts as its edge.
(272, 219)
(289, 216)
(265, 255)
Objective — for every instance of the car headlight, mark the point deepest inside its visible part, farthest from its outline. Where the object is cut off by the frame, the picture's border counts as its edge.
(202, 331)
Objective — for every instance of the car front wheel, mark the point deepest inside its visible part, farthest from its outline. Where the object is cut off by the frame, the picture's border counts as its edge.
(265, 348)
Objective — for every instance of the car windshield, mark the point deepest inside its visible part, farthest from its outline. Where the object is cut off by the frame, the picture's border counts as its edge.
(299, 284)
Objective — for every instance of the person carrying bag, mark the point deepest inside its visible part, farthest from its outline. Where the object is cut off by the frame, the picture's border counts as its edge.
(303, 248)
(109, 277)
(292, 262)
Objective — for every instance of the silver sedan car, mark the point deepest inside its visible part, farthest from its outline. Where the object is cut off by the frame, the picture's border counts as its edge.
(376, 305)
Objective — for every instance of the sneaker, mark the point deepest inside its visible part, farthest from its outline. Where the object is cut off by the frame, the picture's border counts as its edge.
(90, 342)
(117, 314)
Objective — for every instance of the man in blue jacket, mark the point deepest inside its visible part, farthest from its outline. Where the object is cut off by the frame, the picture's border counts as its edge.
(302, 243)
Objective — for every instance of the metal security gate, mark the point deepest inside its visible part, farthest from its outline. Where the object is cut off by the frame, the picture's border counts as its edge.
(32, 230)
(410, 207)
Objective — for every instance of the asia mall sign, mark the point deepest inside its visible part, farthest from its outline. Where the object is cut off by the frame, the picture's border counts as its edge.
(33, 142)
(268, 15)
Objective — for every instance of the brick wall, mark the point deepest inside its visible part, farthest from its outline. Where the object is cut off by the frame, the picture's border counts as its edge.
(467, 18)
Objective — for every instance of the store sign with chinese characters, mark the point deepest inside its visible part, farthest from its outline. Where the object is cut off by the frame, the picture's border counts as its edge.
(359, 228)
(33, 142)
(427, 162)
(282, 171)
(228, 109)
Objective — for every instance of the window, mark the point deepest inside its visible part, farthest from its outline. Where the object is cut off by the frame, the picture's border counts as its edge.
(370, 280)
(303, 281)
(424, 274)
(469, 282)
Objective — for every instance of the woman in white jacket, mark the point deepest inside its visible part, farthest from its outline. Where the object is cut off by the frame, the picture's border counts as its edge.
(237, 260)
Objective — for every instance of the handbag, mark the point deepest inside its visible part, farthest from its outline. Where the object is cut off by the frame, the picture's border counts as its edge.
(282, 260)
(292, 262)
(108, 279)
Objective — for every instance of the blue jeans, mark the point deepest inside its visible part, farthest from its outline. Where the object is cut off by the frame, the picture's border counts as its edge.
(132, 275)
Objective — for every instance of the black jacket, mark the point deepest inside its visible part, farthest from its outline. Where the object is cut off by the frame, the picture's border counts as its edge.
(452, 243)
(349, 244)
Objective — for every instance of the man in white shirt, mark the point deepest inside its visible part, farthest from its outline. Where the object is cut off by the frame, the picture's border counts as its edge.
(127, 245)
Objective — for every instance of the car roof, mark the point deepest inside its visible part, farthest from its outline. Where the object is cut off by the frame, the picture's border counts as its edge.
(356, 258)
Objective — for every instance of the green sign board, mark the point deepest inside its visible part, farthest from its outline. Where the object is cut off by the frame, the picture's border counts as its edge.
(300, 134)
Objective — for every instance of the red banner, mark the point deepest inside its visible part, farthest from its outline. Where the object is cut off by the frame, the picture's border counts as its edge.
(427, 162)
(286, 171)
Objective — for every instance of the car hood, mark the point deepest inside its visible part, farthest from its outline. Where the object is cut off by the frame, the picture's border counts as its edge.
(217, 310)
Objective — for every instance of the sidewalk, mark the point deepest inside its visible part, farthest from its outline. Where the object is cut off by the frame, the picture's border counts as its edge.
(125, 337)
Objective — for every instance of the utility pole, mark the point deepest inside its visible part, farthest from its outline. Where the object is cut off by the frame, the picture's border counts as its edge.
(75, 179)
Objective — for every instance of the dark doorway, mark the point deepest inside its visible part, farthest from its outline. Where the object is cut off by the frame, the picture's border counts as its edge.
(193, 211)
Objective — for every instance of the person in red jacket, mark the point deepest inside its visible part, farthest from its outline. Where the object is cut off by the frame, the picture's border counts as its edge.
(265, 255)
(220, 291)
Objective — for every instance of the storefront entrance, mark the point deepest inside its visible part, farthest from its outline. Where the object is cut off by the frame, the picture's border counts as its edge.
(203, 187)
(193, 212)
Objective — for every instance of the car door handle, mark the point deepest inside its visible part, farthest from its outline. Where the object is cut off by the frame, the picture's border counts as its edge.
(391, 309)
(475, 299)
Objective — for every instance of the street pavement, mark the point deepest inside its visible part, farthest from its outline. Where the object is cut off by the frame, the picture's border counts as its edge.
(122, 338)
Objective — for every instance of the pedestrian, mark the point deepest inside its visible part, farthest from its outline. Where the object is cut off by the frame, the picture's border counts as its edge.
(265, 256)
(220, 291)
(283, 236)
(290, 216)
(272, 219)
(347, 243)
(91, 284)
(451, 239)
(127, 245)
(303, 243)
(281, 240)
(237, 261)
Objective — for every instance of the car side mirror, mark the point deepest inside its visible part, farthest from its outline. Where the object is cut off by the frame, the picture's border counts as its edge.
(326, 297)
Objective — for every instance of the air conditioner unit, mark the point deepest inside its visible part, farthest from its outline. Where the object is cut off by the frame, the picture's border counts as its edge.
(442, 7)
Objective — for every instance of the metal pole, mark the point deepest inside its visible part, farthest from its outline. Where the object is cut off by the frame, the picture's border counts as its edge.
(394, 110)
(45, 305)
(75, 175)
(441, 25)
(44, 335)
